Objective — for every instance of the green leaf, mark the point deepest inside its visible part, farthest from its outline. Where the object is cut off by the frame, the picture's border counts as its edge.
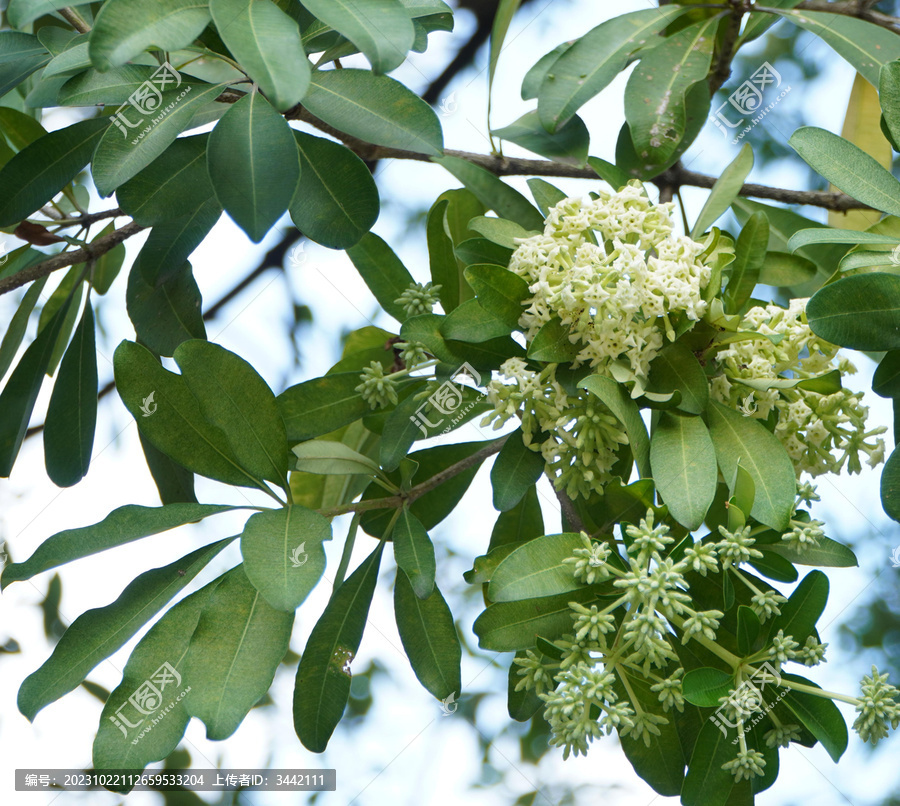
(108, 265)
(724, 191)
(826, 552)
(472, 323)
(706, 686)
(284, 556)
(500, 291)
(157, 655)
(683, 463)
(253, 164)
(72, 412)
(112, 87)
(706, 783)
(748, 627)
(886, 380)
(321, 405)
(523, 522)
(545, 194)
(889, 95)
(859, 312)
(781, 269)
(167, 315)
(234, 653)
(676, 369)
(98, 633)
(171, 243)
(336, 201)
(70, 61)
(774, 566)
(805, 237)
(429, 637)
(536, 569)
(376, 109)
(866, 46)
(531, 84)
(499, 230)
(656, 89)
(445, 268)
(121, 526)
(170, 417)
(595, 60)
(20, 55)
(804, 606)
(515, 471)
(481, 250)
(522, 704)
(553, 343)
(848, 167)
(741, 439)
(609, 173)
(21, 12)
(20, 393)
(616, 399)
(568, 144)
(383, 272)
(322, 687)
(117, 158)
(19, 129)
(819, 715)
(506, 10)
(171, 187)
(511, 626)
(123, 29)
(266, 43)
(749, 254)
(40, 170)
(234, 398)
(381, 29)
(330, 458)
(18, 324)
(493, 193)
(414, 553)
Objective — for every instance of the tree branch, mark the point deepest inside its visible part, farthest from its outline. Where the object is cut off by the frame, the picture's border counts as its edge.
(96, 249)
(722, 71)
(71, 16)
(394, 501)
(852, 9)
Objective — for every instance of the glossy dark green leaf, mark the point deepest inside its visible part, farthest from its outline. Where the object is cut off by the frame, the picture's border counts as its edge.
(234, 398)
(782, 269)
(108, 265)
(170, 417)
(511, 626)
(119, 157)
(656, 89)
(167, 315)
(472, 323)
(382, 271)
(523, 522)
(522, 704)
(748, 628)
(284, 556)
(705, 686)
(500, 291)
(616, 399)
(266, 43)
(234, 653)
(594, 61)
(429, 637)
(414, 553)
(322, 686)
(706, 783)
(859, 312)
(609, 173)
(807, 237)
(545, 194)
(536, 569)
(889, 95)
(515, 471)
(72, 411)
(820, 716)
(804, 606)
(826, 552)
(445, 268)
(174, 483)
(848, 167)
(123, 29)
(376, 109)
(481, 250)
(568, 144)
(493, 193)
(253, 164)
(96, 634)
(321, 405)
(774, 565)
(336, 201)
(531, 84)
(20, 55)
(749, 254)
(552, 343)
(40, 170)
(742, 439)
(20, 393)
(18, 324)
(683, 462)
(886, 380)
(171, 187)
(121, 526)
(676, 368)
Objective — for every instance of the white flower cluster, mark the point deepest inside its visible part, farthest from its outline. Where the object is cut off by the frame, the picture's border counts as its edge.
(821, 432)
(577, 435)
(612, 270)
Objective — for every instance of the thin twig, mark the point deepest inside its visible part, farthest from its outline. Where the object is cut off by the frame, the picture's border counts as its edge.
(79, 23)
